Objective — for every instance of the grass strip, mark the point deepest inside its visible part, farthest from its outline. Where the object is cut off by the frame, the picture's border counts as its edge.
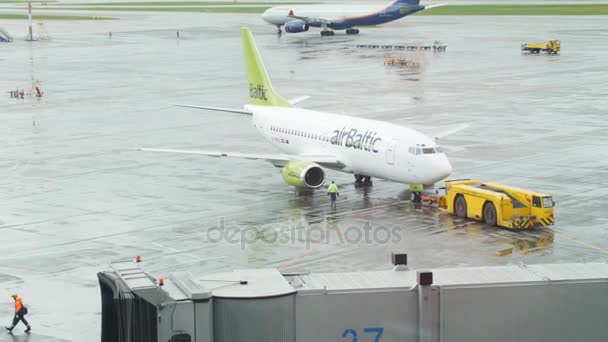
(52, 17)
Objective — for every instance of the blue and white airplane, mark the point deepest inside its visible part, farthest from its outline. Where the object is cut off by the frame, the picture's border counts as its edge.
(299, 18)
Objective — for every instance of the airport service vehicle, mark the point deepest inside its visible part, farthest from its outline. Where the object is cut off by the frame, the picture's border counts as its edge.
(299, 18)
(310, 141)
(491, 203)
(552, 46)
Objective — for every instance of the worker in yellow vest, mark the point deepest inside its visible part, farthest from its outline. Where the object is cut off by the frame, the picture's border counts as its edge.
(333, 192)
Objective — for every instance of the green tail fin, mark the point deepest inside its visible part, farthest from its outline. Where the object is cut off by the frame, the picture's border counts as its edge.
(260, 89)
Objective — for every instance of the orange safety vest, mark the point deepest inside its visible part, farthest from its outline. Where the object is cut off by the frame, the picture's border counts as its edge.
(18, 304)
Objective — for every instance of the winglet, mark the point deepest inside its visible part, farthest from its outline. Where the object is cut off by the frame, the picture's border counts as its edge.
(261, 92)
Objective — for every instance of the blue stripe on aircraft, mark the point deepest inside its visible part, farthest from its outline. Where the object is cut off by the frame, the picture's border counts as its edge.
(393, 12)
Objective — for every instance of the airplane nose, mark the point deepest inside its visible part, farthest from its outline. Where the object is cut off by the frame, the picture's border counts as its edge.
(446, 168)
(439, 170)
(266, 15)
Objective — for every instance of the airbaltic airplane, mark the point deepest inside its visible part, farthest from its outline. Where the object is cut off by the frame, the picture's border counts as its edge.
(299, 18)
(311, 141)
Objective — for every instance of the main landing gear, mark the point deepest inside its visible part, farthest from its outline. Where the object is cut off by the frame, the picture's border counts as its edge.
(361, 179)
(349, 31)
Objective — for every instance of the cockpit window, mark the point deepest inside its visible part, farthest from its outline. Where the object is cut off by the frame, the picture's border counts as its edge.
(421, 149)
(414, 150)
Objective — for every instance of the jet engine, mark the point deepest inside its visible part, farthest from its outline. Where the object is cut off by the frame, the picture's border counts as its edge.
(296, 26)
(303, 174)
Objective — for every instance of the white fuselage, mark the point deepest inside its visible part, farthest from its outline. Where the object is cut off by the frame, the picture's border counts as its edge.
(366, 147)
(279, 15)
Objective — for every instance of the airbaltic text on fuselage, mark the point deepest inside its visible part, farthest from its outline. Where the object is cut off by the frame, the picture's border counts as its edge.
(257, 91)
(352, 138)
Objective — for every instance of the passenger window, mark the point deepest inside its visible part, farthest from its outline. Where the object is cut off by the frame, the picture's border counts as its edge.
(536, 202)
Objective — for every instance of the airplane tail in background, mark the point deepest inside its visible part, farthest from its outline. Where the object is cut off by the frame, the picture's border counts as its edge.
(260, 89)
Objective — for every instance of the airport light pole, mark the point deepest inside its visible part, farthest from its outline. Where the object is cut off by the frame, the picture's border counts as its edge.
(29, 16)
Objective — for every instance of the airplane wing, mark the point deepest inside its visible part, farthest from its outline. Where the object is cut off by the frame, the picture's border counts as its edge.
(276, 159)
(316, 22)
(219, 109)
(449, 131)
(433, 6)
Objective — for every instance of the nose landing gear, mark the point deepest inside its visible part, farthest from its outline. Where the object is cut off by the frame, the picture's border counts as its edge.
(416, 197)
(279, 32)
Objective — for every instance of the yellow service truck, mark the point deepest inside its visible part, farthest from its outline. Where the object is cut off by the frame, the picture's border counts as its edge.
(494, 204)
(552, 47)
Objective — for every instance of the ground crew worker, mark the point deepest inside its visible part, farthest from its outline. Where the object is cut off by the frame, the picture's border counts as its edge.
(333, 191)
(20, 312)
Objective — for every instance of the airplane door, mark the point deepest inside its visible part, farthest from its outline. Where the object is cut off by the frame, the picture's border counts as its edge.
(390, 152)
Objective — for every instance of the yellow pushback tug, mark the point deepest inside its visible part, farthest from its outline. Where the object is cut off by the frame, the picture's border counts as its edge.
(491, 203)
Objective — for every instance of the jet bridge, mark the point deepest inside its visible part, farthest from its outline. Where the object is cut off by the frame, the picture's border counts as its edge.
(551, 302)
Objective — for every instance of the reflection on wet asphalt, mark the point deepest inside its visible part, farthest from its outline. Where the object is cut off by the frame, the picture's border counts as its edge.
(75, 194)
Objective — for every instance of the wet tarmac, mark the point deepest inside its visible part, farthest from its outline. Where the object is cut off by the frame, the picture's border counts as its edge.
(75, 195)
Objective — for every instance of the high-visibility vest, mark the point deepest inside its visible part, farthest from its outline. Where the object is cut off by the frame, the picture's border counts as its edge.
(18, 304)
(332, 188)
